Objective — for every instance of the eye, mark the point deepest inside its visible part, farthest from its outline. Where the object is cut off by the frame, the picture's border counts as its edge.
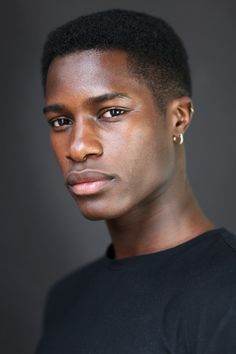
(60, 123)
(113, 112)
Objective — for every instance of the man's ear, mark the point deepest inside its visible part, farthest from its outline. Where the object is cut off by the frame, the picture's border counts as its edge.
(180, 111)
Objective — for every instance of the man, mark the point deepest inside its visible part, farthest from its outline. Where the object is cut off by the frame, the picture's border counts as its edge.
(118, 100)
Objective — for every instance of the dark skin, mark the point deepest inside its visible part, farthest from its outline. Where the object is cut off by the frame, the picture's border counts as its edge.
(105, 119)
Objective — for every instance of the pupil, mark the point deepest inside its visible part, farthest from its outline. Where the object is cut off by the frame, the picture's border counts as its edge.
(114, 112)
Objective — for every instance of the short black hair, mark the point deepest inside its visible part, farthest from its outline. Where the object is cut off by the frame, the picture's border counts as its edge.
(156, 53)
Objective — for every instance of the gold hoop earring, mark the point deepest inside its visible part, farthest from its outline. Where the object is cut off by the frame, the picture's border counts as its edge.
(178, 139)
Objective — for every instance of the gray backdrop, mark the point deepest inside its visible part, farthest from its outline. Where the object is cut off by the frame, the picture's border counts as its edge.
(43, 235)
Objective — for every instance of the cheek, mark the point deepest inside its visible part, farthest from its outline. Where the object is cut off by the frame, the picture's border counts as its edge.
(138, 150)
(148, 160)
(58, 147)
(146, 149)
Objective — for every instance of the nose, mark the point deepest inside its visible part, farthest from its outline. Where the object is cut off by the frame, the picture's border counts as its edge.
(84, 142)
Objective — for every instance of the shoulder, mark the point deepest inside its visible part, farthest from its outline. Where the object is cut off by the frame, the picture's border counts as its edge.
(73, 279)
(205, 303)
(210, 301)
(64, 293)
(212, 256)
(73, 282)
(221, 261)
(213, 271)
(230, 240)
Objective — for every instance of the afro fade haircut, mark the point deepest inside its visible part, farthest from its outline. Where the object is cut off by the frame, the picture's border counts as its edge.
(155, 52)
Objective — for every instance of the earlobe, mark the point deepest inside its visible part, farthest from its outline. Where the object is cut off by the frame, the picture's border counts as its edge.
(178, 140)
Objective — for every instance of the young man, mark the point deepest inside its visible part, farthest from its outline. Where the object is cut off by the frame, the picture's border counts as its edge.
(118, 100)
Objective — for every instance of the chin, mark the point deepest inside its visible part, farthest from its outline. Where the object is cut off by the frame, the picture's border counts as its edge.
(91, 211)
(99, 211)
(95, 214)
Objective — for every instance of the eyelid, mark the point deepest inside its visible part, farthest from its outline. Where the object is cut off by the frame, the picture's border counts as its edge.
(53, 120)
(101, 112)
(118, 108)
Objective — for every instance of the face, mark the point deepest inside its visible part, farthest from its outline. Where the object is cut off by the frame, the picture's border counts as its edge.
(113, 145)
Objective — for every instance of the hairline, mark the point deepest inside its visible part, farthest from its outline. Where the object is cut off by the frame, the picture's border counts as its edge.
(132, 65)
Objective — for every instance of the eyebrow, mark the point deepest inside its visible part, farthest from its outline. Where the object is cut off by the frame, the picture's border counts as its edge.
(108, 97)
(57, 108)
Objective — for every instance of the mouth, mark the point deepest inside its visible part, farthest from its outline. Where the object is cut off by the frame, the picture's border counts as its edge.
(88, 182)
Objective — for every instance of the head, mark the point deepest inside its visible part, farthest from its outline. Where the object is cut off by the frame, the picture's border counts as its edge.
(155, 52)
(117, 89)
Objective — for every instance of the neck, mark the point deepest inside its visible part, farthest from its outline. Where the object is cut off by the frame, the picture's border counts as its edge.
(166, 221)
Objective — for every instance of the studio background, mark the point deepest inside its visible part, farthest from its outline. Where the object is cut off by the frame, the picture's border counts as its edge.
(43, 236)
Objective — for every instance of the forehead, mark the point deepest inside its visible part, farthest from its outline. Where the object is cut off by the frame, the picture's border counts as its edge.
(91, 70)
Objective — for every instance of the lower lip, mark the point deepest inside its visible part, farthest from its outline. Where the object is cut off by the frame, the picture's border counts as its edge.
(89, 188)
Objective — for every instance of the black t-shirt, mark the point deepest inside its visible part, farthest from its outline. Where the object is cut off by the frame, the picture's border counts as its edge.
(178, 301)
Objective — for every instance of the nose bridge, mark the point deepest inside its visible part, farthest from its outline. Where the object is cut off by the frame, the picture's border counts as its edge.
(82, 131)
(84, 139)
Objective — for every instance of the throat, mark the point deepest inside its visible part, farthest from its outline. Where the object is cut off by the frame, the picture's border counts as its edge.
(158, 228)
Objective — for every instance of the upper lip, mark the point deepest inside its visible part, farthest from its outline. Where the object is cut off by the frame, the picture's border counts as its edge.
(86, 176)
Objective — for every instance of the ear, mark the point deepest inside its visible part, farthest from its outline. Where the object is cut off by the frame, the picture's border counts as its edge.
(180, 111)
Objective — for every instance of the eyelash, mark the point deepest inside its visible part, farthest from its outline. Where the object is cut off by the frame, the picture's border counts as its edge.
(115, 110)
(63, 121)
(60, 121)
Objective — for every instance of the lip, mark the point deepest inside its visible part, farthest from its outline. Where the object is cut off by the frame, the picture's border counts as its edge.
(88, 182)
